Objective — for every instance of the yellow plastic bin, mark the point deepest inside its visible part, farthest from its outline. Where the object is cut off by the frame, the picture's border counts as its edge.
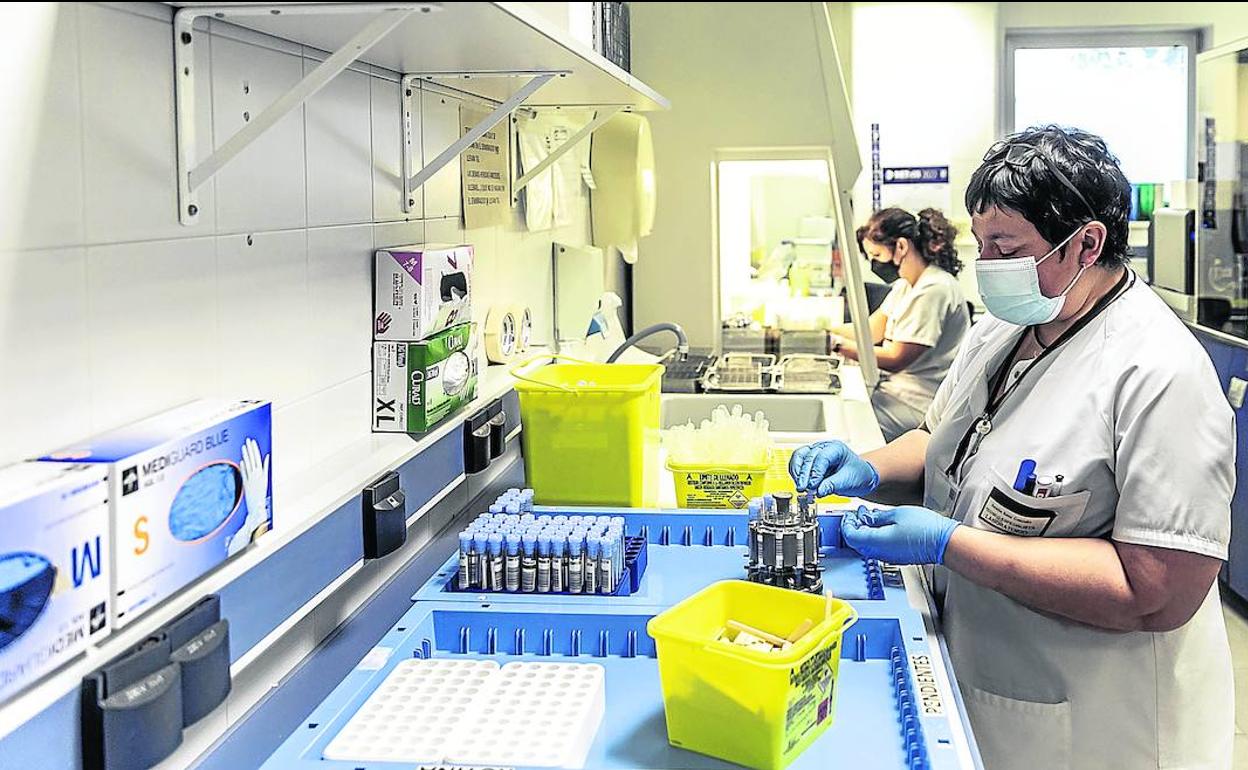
(717, 486)
(754, 708)
(591, 432)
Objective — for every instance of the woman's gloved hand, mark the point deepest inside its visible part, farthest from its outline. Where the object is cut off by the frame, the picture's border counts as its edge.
(828, 467)
(908, 534)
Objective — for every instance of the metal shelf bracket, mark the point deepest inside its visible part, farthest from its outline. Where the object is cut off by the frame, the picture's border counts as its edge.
(192, 173)
(408, 90)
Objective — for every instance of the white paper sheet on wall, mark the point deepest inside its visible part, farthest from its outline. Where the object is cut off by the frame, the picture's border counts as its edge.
(486, 181)
(551, 198)
(538, 195)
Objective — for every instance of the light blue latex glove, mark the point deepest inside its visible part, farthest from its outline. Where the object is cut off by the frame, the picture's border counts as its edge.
(908, 534)
(828, 467)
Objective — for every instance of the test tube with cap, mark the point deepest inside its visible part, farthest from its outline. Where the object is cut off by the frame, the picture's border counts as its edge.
(576, 566)
(558, 564)
(619, 522)
(512, 581)
(606, 567)
(526, 499)
(528, 563)
(543, 563)
(593, 550)
(496, 562)
(513, 509)
(476, 562)
(465, 553)
(616, 536)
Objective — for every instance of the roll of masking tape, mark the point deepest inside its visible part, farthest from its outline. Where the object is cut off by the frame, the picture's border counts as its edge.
(524, 327)
(501, 335)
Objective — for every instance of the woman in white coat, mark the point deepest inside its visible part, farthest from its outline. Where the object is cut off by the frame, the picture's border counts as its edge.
(922, 321)
(1078, 467)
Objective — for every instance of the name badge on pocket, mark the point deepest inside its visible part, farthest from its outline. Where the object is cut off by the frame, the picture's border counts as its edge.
(1014, 518)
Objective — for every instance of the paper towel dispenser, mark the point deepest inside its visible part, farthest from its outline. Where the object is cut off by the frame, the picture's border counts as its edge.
(622, 161)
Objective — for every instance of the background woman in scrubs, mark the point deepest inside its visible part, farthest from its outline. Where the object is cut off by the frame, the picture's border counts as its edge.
(1080, 605)
(920, 324)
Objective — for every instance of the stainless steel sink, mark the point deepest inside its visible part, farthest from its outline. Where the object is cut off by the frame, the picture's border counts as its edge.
(785, 413)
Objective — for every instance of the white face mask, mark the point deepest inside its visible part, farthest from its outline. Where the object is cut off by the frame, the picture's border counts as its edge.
(1010, 288)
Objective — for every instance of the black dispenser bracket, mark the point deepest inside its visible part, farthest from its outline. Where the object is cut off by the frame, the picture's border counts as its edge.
(135, 707)
(385, 516)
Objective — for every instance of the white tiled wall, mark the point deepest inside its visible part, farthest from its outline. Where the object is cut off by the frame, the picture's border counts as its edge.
(111, 310)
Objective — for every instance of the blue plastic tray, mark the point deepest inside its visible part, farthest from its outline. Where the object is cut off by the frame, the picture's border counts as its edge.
(878, 722)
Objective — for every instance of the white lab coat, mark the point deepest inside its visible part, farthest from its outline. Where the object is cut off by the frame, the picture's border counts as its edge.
(1131, 413)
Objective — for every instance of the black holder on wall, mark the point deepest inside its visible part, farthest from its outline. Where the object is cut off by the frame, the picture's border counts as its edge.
(134, 708)
(485, 437)
(199, 642)
(385, 516)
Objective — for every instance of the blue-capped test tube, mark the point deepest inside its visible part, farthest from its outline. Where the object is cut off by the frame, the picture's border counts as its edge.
(495, 546)
(526, 499)
(593, 551)
(558, 562)
(513, 509)
(528, 563)
(576, 564)
(465, 554)
(606, 566)
(620, 523)
(477, 560)
(543, 563)
(512, 572)
(497, 508)
(616, 536)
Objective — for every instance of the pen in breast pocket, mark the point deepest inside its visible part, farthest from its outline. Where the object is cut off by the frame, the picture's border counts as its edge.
(1057, 486)
(1025, 469)
(1044, 486)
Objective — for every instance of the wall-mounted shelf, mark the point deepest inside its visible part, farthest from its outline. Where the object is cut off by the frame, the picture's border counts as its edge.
(505, 54)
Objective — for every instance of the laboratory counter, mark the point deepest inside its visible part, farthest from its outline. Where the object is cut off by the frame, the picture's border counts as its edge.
(897, 705)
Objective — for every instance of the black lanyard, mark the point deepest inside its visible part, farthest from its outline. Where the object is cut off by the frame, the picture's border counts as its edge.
(982, 425)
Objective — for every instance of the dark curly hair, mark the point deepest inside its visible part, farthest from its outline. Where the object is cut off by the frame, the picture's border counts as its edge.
(1033, 172)
(930, 233)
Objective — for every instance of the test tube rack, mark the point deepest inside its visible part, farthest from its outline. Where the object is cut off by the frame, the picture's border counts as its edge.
(476, 712)
(785, 543)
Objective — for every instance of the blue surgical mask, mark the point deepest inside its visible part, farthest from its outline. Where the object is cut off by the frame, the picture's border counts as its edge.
(1010, 288)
